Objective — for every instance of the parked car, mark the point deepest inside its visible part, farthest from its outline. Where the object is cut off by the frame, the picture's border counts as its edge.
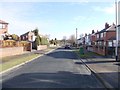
(67, 47)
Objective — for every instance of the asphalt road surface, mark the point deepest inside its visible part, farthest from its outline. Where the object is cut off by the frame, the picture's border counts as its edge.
(54, 70)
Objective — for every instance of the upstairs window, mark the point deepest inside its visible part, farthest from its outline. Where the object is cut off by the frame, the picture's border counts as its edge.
(101, 35)
(97, 35)
(2, 26)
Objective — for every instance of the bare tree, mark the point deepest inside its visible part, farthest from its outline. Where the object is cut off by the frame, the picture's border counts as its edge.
(81, 35)
(64, 37)
(72, 39)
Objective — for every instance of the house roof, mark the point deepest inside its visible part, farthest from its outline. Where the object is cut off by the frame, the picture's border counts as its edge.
(104, 30)
(3, 22)
(24, 34)
(111, 28)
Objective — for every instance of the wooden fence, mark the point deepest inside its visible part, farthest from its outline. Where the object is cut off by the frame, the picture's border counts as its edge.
(12, 43)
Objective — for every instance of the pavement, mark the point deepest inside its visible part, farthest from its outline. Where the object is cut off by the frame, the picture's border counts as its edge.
(106, 69)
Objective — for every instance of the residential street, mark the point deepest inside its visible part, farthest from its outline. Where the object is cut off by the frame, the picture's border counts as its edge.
(54, 70)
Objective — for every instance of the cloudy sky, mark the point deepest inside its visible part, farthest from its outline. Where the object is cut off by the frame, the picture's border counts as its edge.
(56, 19)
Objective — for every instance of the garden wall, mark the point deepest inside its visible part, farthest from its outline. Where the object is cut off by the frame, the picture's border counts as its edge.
(41, 47)
(10, 51)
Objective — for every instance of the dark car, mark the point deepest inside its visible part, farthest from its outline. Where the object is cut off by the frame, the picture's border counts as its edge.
(67, 47)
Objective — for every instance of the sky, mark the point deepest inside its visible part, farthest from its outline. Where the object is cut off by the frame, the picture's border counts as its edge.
(57, 19)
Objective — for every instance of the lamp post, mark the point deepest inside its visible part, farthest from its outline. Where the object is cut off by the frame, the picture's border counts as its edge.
(76, 39)
(116, 15)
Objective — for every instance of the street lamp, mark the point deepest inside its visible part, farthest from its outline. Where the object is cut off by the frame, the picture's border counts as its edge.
(76, 39)
(116, 15)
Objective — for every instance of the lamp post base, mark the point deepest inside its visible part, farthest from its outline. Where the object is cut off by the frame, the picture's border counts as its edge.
(116, 58)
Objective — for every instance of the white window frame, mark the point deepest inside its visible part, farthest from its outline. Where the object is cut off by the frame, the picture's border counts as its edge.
(110, 43)
(101, 35)
(97, 35)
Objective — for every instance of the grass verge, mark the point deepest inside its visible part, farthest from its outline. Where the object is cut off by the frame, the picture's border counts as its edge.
(16, 61)
(9, 62)
(86, 55)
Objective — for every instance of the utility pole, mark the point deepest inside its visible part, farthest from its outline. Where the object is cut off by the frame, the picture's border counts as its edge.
(116, 12)
(76, 39)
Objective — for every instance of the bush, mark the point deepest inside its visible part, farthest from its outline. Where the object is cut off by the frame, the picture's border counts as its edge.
(44, 41)
(15, 37)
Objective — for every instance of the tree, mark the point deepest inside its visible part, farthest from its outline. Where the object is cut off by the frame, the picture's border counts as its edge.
(64, 39)
(55, 41)
(42, 41)
(51, 41)
(36, 32)
(37, 40)
(15, 37)
(72, 39)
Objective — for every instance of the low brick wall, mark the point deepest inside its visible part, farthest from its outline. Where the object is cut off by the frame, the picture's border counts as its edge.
(10, 51)
(41, 47)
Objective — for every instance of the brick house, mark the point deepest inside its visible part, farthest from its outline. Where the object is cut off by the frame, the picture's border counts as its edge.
(104, 38)
(29, 36)
(3, 29)
(91, 46)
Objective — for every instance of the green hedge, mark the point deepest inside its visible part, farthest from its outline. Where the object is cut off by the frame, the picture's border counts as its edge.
(44, 41)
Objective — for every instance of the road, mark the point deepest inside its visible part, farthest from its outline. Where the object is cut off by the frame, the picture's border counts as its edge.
(54, 70)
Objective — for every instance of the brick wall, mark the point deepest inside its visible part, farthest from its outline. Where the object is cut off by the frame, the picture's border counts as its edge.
(109, 35)
(41, 47)
(10, 51)
(101, 51)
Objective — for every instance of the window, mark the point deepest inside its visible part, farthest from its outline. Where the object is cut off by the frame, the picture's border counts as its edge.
(0, 25)
(97, 35)
(110, 44)
(3, 26)
(104, 43)
(101, 35)
(114, 43)
(23, 37)
(100, 43)
(104, 34)
(95, 43)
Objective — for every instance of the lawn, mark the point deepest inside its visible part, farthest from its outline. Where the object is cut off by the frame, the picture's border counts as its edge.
(8, 62)
(86, 54)
(15, 61)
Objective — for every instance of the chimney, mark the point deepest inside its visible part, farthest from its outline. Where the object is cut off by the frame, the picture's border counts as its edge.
(106, 25)
(93, 31)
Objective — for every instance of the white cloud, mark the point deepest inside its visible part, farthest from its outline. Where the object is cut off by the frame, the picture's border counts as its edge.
(108, 10)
